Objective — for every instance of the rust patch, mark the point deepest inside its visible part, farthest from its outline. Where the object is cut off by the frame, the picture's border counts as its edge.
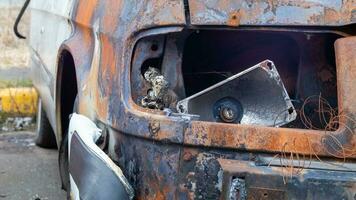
(85, 11)
(273, 12)
(154, 127)
(112, 16)
(234, 19)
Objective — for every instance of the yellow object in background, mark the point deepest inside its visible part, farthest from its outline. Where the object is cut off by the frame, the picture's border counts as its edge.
(21, 100)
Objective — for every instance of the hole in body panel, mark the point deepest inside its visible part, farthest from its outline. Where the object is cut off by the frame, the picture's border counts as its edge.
(192, 61)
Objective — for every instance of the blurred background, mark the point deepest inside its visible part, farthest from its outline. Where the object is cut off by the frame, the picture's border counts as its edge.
(17, 98)
(14, 52)
(26, 171)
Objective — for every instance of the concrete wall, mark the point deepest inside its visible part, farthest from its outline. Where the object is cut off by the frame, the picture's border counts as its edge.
(13, 52)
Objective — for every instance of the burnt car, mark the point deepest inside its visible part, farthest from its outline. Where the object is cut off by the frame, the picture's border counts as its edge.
(198, 99)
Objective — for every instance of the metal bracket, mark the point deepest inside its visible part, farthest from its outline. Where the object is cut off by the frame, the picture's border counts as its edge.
(254, 96)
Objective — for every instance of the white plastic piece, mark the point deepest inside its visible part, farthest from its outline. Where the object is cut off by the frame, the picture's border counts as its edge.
(74, 191)
(89, 133)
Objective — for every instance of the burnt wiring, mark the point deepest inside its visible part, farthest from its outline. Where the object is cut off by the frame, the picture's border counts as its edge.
(330, 119)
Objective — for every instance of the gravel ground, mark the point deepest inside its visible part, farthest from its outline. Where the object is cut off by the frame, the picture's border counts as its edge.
(27, 171)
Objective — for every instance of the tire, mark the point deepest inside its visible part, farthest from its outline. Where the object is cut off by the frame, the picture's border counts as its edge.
(63, 165)
(45, 136)
(63, 158)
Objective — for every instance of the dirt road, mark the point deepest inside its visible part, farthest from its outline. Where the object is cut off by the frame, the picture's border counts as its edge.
(27, 171)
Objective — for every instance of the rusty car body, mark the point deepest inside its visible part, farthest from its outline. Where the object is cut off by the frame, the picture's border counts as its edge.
(90, 56)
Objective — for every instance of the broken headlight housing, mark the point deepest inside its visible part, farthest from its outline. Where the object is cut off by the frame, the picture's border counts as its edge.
(257, 77)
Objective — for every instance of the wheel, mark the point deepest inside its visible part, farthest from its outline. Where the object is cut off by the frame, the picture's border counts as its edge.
(45, 136)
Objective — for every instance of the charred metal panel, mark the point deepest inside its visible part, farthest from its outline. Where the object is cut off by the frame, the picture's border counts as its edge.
(162, 171)
(116, 105)
(151, 167)
(101, 42)
(148, 144)
(263, 182)
(100, 64)
(275, 12)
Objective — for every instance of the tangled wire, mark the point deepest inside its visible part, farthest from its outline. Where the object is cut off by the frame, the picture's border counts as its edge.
(329, 121)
